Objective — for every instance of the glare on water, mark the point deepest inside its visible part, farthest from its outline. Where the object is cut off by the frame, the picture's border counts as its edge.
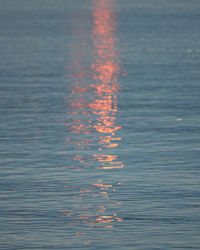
(92, 110)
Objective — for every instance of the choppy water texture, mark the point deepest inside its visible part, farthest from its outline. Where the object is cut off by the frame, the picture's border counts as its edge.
(100, 124)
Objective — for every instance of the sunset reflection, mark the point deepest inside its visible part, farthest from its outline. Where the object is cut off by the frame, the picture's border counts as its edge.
(91, 125)
(93, 214)
(105, 69)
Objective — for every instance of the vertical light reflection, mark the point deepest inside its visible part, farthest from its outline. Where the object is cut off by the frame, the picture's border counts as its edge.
(105, 69)
(91, 117)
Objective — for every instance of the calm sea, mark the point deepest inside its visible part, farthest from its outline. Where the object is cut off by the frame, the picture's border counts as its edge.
(100, 124)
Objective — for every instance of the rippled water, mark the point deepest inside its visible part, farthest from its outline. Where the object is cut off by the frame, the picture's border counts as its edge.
(100, 114)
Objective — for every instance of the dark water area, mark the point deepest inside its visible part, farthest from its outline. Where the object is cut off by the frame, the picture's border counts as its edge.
(100, 124)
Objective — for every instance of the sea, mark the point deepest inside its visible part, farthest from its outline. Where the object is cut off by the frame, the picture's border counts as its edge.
(100, 124)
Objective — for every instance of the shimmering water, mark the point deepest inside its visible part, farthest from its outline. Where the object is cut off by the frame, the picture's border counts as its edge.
(100, 122)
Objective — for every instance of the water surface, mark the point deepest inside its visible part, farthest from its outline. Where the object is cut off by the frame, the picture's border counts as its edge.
(99, 124)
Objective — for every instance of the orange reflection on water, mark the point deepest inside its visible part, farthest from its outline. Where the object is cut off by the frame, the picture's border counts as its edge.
(94, 105)
(105, 158)
(105, 71)
(105, 68)
(93, 214)
(92, 123)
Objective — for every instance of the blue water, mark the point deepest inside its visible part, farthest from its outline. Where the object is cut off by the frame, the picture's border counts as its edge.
(100, 124)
